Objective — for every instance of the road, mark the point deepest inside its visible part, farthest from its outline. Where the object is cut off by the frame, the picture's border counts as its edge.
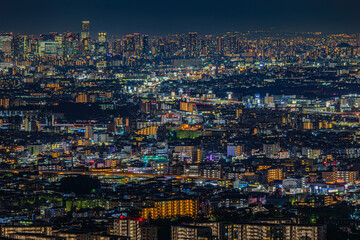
(108, 172)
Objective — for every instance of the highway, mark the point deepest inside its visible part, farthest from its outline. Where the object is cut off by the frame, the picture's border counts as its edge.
(108, 172)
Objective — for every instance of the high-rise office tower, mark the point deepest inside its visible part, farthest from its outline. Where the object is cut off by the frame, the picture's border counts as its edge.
(102, 37)
(70, 44)
(85, 29)
(102, 45)
(7, 47)
(16, 46)
(129, 44)
(4, 38)
(232, 44)
(137, 42)
(89, 132)
(23, 44)
(85, 46)
(192, 42)
(206, 45)
(118, 46)
(145, 44)
(221, 44)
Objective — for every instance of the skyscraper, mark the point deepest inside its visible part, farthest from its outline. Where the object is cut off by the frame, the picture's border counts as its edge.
(102, 45)
(85, 30)
(192, 42)
(129, 44)
(70, 44)
(4, 38)
(221, 44)
(89, 132)
(7, 47)
(137, 42)
(145, 44)
(102, 37)
(232, 44)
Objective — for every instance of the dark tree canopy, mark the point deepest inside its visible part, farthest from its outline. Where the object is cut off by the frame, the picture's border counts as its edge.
(80, 184)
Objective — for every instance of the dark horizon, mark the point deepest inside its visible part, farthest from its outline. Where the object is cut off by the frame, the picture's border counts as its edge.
(162, 17)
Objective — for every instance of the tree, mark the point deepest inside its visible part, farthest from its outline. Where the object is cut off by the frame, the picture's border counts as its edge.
(80, 184)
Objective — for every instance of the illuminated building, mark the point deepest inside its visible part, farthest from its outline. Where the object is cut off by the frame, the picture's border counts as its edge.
(193, 153)
(271, 150)
(238, 113)
(268, 100)
(85, 29)
(146, 107)
(172, 209)
(82, 98)
(89, 132)
(312, 153)
(30, 125)
(145, 45)
(217, 228)
(129, 45)
(250, 231)
(23, 44)
(102, 44)
(235, 150)
(325, 125)
(7, 47)
(232, 42)
(148, 131)
(192, 170)
(85, 46)
(134, 229)
(137, 43)
(118, 46)
(5, 38)
(129, 227)
(149, 233)
(48, 48)
(5, 102)
(70, 45)
(186, 106)
(26, 124)
(118, 122)
(284, 154)
(340, 176)
(220, 46)
(102, 37)
(187, 232)
(317, 232)
(212, 172)
(308, 125)
(275, 174)
(8, 231)
(192, 42)
(73, 235)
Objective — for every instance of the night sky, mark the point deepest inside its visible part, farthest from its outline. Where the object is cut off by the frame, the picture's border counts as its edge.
(160, 16)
